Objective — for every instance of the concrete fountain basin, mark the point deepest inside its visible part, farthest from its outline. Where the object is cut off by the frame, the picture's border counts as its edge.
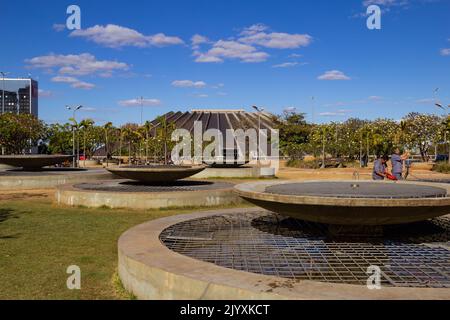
(156, 173)
(34, 162)
(352, 202)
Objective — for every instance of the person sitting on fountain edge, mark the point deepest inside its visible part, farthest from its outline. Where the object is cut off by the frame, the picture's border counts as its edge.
(379, 168)
(397, 163)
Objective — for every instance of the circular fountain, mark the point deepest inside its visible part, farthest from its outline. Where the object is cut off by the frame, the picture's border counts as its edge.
(34, 162)
(350, 202)
(156, 173)
(146, 187)
(290, 251)
(30, 172)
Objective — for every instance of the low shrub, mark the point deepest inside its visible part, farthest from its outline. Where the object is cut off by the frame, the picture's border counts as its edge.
(442, 167)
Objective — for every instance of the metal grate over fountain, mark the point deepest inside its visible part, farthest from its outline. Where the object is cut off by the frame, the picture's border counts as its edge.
(359, 189)
(414, 255)
(134, 186)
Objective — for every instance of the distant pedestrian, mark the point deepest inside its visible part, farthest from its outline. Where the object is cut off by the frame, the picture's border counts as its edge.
(364, 160)
(379, 168)
(397, 160)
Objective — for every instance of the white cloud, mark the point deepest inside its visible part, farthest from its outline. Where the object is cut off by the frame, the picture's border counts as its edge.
(224, 49)
(58, 27)
(295, 55)
(254, 29)
(445, 52)
(139, 102)
(426, 101)
(197, 40)
(74, 82)
(77, 65)
(44, 93)
(246, 46)
(289, 109)
(334, 75)
(277, 40)
(218, 86)
(202, 95)
(83, 85)
(207, 58)
(286, 65)
(385, 3)
(337, 113)
(115, 36)
(375, 98)
(188, 84)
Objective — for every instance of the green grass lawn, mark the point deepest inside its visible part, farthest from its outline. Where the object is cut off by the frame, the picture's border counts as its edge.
(39, 240)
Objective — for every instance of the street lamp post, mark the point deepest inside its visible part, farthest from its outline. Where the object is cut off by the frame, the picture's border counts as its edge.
(74, 109)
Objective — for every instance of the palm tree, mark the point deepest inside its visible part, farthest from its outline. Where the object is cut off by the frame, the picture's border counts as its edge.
(107, 127)
(85, 124)
(148, 127)
(121, 132)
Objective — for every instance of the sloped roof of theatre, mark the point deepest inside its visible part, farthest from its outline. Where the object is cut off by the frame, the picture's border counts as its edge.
(221, 119)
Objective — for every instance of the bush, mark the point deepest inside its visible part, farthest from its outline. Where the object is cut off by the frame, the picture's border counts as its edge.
(302, 164)
(442, 167)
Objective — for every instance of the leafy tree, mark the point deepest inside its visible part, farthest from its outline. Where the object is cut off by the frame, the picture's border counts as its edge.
(421, 130)
(384, 135)
(20, 132)
(164, 134)
(86, 127)
(59, 138)
(294, 134)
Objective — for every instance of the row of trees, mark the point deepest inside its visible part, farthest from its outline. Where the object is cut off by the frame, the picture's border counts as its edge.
(20, 133)
(351, 139)
(355, 137)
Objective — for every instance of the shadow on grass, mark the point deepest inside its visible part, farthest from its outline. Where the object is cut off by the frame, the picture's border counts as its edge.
(6, 214)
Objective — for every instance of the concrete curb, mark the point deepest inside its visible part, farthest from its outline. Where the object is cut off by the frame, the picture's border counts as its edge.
(340, 210)
(69, 195)
(49, 181)
(150, 270)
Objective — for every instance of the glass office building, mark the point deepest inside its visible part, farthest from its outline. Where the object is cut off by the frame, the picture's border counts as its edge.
(19, 96)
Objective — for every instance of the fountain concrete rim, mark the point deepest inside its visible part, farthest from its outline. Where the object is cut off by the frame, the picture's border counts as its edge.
(150, 270)
(163, 168)
(34, 161)
(256, 191)
(68, 194)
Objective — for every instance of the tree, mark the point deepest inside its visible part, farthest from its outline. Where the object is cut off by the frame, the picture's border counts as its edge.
(294, 134)
(20, 132)
(86, 125)
(420, 131)
(147, 128)
(384, 135)
(59, 137)
(107, 128)
(164, 134)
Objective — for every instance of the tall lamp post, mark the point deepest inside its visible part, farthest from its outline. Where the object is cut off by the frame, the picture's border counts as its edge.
(142, 109)
(74, 110)
(259, 110)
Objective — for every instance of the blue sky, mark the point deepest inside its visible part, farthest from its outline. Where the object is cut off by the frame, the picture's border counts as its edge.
(275, 54)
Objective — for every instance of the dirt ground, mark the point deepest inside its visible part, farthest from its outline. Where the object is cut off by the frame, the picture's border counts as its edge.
(348, 174)
(26, 194)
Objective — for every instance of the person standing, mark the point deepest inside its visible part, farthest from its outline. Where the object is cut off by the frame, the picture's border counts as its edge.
(379, 168)
(397, 160)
